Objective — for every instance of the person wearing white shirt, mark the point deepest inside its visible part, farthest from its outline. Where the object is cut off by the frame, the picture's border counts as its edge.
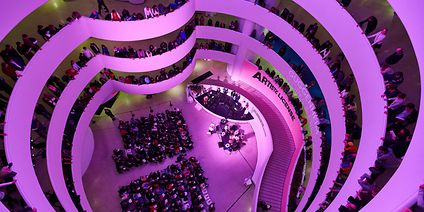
(378, 38)
(87, 53)
(148, 13)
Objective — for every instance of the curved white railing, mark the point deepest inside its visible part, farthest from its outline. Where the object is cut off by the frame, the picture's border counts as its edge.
(21, 108)
(285, 69)
(86, 75)
(365, 67)
(403, 185)
(29, 86)
(32, 83)
(265, 146)
(3, 207)
(201, 32)
(300, 45)
(72, 92)
(15, 12)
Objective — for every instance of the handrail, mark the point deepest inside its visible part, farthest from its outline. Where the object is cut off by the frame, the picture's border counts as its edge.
(365, 67)
(30, 85)
(207, 33)
(14, 12)
(3, 207)
(284, 68)
(296, 41)
(58, 120)
(85, 33)
(404, 183)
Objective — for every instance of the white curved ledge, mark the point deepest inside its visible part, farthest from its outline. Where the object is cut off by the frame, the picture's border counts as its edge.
(72, 92)
(292, 78)
(401, 190)
(201, 32)
(365, 67)
(24, 98)
(28, 88)
(13, 12)
(3, 207)
(156, 87)
(141, 29)
(304, 49)
(37, 82)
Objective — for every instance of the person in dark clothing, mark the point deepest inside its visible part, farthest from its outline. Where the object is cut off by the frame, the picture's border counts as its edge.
(345, 3)
(371, 24)
(282, 51)
(4, 86)
(101, 4)
(94, 48)
(110, 114)
(395, 57)
(41, 110)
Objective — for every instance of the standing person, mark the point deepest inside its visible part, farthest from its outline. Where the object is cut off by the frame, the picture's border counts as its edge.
(115, 16)
(30, 41)
(109, 113)
(95, 48)
(378, 38)
(371, 24)
(395, 57)
(87, 53)
(105, 50)
(24, 50)
(101, 4)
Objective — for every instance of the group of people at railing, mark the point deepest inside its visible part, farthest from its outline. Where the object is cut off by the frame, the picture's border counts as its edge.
(89, 92)
(222, 102)
(14, 64)
(324, 49)
(56, 85)
(152, 139)
(401, 115)
(214, 45)
(179, 187)
(149, 12)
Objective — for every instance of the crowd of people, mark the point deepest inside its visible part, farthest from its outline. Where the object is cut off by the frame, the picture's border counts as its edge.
(149, 12)
(176, 188)
(152, 139)
(345, 82)
(213, 45)
(401, 115)
(14, 64)
(231, 135)
(221, 101)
